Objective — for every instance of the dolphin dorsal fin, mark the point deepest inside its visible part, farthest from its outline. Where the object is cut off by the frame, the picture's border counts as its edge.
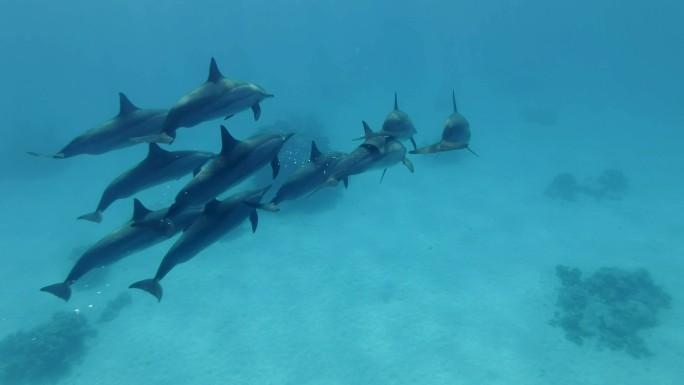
(139, 211)
(366, 128)
(396, 106)
(453, 99)
(315, 153)
(211, 207)
(214, 74)
(155, 152)
(125, 105)
(228, 143)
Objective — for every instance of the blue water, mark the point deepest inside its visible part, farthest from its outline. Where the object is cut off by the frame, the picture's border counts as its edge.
(443, 276)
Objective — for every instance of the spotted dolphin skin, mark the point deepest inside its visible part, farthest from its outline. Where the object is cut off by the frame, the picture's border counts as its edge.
(397, 124)
(218, 97)
(377, 152)
(309, 176)
(238, 160)
(455, 136)
(119, 244)
(118, 132)
(217, 219)
(158, 167)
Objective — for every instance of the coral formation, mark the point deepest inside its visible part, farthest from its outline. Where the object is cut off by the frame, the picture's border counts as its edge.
(114, 307)
(563, 186)
(45, 354)
(610, 184)
(612, 305)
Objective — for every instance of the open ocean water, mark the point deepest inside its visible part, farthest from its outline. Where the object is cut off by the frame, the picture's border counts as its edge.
(462, 272)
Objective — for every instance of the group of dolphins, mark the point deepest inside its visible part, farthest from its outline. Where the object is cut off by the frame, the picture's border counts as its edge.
(196, 211)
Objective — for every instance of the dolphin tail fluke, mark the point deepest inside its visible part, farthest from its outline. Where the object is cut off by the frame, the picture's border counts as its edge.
(95, 216)
(163, 138)
(151, 286)
(413, 142)
(407, 162)
(59, 155)
(61, 290)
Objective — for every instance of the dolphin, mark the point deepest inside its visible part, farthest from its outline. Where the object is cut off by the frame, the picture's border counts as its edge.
(377, 152)
(397, 124)
(237, 161)
(119, 244)
(309, 176)
(116, 133)
(217, 219)
(455, 136)
(158, 167)
(218, 97)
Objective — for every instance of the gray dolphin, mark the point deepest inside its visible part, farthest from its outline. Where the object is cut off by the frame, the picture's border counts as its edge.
(119, 244)
(116, 133)
(377, 152)
(237, 160)
(218, 97)
(455, 136)
(217, 219)
(309, 176)
(158, 167)
(397, 124)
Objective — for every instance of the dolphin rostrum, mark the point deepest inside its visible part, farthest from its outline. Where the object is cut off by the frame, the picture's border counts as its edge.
(158, 167)
(237, 161)
(118, 132)
(119, 244)
(309, 176)
(217, 219)
(455, 136)
(397, 124)
(218, 97)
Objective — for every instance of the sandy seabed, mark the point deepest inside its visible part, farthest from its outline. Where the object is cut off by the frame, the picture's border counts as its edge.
(441, 277)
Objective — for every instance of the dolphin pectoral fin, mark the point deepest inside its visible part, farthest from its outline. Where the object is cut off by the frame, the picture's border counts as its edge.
(61, 290)
(95, 216)
(254, 219)
(473, 152)
(59, 155)
(228, 117)
(413, 142)
(383, 175)
(407, 162)
(275, 166)
(256, 108)
(151, 286)
(346, 182)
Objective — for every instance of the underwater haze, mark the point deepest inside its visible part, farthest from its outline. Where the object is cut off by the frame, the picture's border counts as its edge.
(554, 256)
